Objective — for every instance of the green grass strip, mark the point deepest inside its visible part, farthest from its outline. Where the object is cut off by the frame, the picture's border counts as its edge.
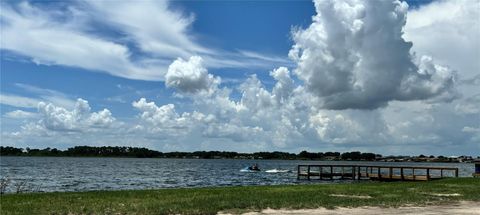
(242, 199)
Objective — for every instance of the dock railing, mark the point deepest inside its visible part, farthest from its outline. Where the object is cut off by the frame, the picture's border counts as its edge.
(373, 172)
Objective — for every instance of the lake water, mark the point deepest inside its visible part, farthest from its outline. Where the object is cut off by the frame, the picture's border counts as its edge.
(49, 174)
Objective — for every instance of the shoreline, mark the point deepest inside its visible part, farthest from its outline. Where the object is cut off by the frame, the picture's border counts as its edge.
(142, 152)
(249, 159)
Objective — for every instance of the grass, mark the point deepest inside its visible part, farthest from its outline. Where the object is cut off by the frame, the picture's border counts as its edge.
(242, 199)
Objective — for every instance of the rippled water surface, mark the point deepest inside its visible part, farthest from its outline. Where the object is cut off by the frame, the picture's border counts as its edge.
(47, 174)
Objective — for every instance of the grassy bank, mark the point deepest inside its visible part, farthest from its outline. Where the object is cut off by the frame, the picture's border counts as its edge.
(240, 199)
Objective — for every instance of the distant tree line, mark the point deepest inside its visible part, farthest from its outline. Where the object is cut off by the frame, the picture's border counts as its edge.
(122, 151)
(82, 151)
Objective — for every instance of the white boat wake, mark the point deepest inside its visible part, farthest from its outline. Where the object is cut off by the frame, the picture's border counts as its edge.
(277, 171)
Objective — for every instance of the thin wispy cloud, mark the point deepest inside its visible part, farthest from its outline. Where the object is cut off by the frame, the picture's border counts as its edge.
(18, 101)
(39, 33)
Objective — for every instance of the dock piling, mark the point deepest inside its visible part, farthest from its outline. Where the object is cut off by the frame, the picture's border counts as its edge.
(308, 172)
(321, 173)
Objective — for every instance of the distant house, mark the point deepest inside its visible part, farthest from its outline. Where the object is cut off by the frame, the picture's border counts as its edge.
(330, 158)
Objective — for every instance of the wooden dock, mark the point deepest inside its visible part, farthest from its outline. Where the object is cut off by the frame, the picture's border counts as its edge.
(374, 172)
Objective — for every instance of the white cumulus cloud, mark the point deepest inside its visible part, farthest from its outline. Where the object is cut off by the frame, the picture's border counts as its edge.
(190, 76)
(160, 117)
(57, 118)
(451, 38)
(354, 55)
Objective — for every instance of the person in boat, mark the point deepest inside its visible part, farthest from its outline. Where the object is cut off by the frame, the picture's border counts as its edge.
(254, 167)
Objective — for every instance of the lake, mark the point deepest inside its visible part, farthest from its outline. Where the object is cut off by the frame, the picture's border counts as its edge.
(49, 174)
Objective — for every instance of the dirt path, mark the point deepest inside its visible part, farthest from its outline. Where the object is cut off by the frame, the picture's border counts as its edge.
(463, 208)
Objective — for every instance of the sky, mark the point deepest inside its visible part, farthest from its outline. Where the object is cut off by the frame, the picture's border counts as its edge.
(390, 77)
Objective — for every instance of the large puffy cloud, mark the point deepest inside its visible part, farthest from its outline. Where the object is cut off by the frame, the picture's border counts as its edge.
(451, 38)
(164, 117)
(284, 117)
(58, 126)
(284, 87)
(258, 120)
(164, 121)
(79, 119)
(363, 64)
(190, 76)
(353, 55)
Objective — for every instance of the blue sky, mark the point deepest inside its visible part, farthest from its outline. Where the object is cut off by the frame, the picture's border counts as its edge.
(242, 76)
(217, 24)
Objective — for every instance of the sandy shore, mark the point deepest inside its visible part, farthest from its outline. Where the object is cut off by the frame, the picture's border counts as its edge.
(464, 208)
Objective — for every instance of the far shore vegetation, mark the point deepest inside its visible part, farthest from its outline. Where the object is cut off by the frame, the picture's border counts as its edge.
(244, 198)
(136, 152)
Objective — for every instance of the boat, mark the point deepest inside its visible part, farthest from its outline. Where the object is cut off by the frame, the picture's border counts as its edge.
(277, 171)
(253, 168)
(246, 169)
